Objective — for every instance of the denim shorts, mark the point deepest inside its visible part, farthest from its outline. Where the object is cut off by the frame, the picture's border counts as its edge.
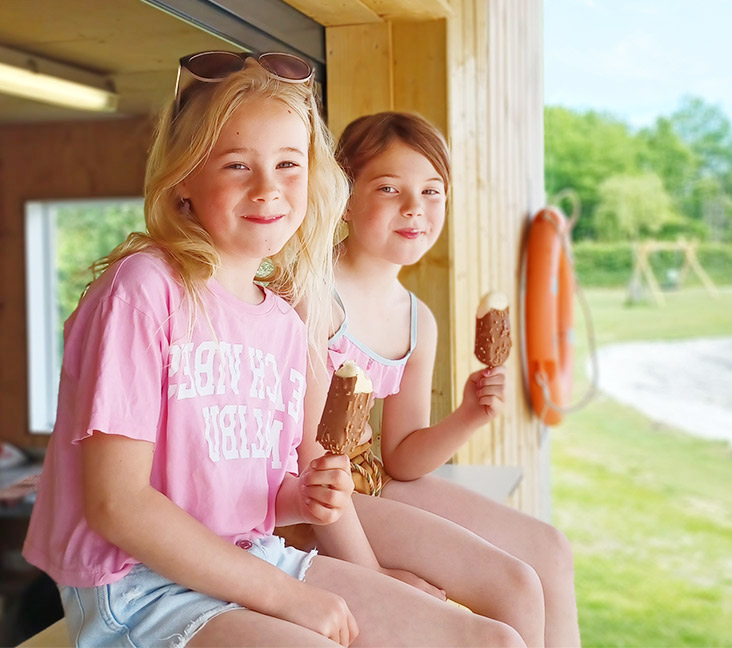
(146, 610)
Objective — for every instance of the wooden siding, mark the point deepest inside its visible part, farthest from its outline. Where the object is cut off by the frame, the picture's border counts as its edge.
(46, 162)
(496, 135)
(405, 64)
(477, 75)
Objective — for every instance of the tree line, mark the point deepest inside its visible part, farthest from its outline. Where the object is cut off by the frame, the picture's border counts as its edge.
(668, 180)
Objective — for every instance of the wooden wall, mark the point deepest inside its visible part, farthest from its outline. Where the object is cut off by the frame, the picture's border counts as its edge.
(496, 133)
(51, 161)
(405, 64)
(477, 75)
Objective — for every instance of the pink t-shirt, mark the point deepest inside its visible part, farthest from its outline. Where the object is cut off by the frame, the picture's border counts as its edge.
(222, 404)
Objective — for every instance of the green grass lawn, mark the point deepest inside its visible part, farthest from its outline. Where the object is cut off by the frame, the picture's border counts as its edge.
(647, 508)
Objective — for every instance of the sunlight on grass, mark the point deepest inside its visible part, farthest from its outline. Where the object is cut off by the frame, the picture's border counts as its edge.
(648, 509)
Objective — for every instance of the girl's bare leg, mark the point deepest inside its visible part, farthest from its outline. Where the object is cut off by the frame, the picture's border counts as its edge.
(532, 541)
(471, 570)
(391, 613)
(246, 628)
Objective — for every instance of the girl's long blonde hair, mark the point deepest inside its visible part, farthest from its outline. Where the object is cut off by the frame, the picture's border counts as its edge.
(183, 142)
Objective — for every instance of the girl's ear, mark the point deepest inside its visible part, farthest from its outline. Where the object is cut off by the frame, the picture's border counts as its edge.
(184, 205)
(346, 217)
(183, 199)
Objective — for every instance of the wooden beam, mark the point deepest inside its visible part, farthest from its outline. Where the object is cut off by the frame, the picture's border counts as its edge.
(339, 13)
(336, 13)
(693, 261)
(413, 10)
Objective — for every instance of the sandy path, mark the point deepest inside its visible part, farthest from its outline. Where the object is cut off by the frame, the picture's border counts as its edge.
(685, 384)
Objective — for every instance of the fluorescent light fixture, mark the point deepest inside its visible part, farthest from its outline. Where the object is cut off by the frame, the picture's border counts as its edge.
(32, 77)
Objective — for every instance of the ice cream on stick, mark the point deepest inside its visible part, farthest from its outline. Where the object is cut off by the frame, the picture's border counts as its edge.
(346, 409)
(493, 330)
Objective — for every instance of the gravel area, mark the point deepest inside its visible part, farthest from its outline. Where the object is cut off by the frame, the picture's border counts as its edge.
(685, 384)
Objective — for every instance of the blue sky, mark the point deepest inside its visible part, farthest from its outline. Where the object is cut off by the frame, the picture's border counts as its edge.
(637, 58)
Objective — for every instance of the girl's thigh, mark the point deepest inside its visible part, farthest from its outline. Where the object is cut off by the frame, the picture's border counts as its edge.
(515, 532)
(248, 628)
(470, 569)
(391, 613)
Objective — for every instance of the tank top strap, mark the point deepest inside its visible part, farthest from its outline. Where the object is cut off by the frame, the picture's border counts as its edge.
(339, 301)
(344, 324)
(413, 324)
(413, 318)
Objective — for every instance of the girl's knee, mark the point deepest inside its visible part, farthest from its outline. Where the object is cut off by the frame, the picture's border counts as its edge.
(563, 547)
(525, 584)
(557, 552)
(487, 632)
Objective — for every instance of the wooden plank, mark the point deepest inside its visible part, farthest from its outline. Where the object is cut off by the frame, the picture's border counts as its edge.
(359, 72)
(336, 13)
(460, 209)
(420, 85)
(475, 221)
(419, 60)
(77, 32)
(496, 482)
(693, 261)
(339, 13)
(413, 10)
(495, 115)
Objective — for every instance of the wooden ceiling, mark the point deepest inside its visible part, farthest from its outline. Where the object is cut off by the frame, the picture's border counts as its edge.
(136, 45)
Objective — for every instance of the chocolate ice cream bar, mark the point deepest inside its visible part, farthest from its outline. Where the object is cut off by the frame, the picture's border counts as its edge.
(493, 330)
(346, 409)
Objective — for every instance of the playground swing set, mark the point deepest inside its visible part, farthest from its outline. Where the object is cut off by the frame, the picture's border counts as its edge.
(643, 272)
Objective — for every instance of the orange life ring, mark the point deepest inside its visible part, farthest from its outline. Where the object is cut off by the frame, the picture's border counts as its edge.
(548, 300)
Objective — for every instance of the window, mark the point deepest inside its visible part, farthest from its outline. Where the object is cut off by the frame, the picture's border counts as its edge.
(62, 239)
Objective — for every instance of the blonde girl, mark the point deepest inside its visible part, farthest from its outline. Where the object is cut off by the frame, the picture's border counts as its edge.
(419, 528)
(181, 397)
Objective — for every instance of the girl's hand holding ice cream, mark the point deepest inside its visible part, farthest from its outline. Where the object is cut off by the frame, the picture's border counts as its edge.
(484, 395)
(325, 488)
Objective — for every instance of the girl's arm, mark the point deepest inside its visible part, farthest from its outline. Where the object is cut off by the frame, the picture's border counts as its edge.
(410, 446)
(344, 539)
(122, 507)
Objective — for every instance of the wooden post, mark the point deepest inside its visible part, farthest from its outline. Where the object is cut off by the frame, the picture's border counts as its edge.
(693, 262)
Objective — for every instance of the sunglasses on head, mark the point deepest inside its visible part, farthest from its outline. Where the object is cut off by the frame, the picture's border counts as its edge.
(214, 66)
